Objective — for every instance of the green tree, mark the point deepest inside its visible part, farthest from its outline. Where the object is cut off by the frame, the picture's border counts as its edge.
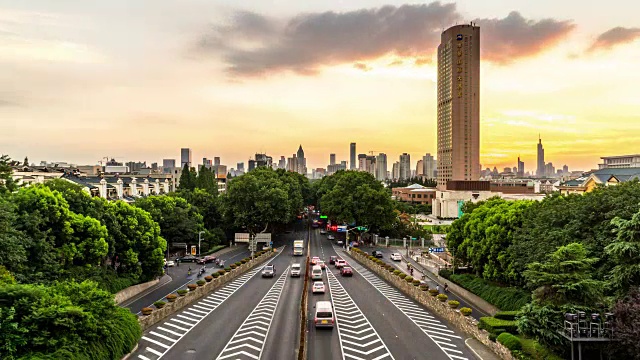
(7, 184)
(624, 252)
(12, 242)
(627, 326)
(565, 278)
(187, 178)
(206, 204)
(80, 202)
(206, 180)
(26, 161)
(255, 200)
(179, 221)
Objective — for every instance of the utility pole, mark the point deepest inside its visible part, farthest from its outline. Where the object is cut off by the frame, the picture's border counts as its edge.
(200, 239)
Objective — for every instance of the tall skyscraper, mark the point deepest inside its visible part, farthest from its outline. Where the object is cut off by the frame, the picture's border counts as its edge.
(362, 162)
(332, 159)
(430, 165)
(520, 167)
(381, 167)
(405, 166)
(420, 168)
(395, 171)
(459, 104)
(302, 162)
(353, 164)
(185, 157)
(240, 166)
(540, 172)
(282, 164)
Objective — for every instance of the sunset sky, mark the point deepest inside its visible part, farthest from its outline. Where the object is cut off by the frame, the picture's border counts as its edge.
(138, 80)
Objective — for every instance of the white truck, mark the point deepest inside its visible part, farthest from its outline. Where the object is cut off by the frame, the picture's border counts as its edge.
(298, 247)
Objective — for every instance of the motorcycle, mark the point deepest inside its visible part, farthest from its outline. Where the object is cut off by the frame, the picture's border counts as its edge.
(222, 264)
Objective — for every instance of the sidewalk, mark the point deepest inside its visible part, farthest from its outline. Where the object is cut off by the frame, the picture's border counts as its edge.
(480, 351)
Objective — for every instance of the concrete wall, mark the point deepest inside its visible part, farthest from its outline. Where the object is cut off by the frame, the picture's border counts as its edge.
(465, 324)
(158, 315)
(131, 291)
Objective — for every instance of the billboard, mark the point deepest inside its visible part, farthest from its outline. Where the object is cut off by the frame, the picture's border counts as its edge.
(242, 238)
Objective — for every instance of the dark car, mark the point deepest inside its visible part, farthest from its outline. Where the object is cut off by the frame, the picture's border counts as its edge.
(207, 259)
(377, 253)
(346, 271)
(187, 258)
(332, 259)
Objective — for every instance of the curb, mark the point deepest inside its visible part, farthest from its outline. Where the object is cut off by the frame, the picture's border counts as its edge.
(129, 354)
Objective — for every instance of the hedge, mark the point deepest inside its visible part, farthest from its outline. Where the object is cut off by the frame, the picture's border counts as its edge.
(491, 324)
(506, 315)
(505, 298)
(511, 342)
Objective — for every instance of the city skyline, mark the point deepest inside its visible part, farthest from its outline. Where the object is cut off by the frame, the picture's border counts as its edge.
(72, 93)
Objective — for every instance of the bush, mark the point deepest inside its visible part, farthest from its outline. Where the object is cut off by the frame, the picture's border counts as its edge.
(159, 304)
(505, 298)
(172, 297)
(424, 288)
(434, 292)
(408, 279)
(402, 275)
(506, 315)
(146, 310)
(509, 341)
(182, 292)
(397, 272)
(227, 269)
(215, 275)
(243, 261)
(454, 304)
(493, 337)
(416, 282)
(466, 311)
(238, 263)
(192, 287)
(201, 282)
(221, 272)
(233, 266)
(208, 278)
(491, 324)
(445, 273)
(442, 297)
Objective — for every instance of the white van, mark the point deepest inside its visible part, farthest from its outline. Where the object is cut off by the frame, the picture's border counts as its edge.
(316, 272)
(323, 314)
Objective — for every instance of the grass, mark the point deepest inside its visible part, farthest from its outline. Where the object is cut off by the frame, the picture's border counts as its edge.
(437, 229)
(535, 350)
(504, 298)
(213, 249)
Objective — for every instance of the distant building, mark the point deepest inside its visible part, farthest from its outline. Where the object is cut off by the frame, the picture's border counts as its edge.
(430, 165)
(370, 165)
(620, 162)
(362, 162)
(252, 164)
(405, 166)
(301, 167)
(541, 170)
(549, 170)
(352, 153)
(185, 157)
(240, 166)
(395, 171)
(216, 161)
(332, 159)
(604, 177)
(565, 170)
(262, 160)
(520, 171)
(282, 164)
(415, 194)
(420, 168)
(381, 167)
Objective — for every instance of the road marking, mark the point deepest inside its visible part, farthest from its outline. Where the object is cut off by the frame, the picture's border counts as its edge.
(430, 326)
(249, 327)
(369, 346)
(154, 346)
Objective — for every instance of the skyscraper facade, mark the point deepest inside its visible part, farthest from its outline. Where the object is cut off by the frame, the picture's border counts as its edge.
(381, 167)
(405, 166)
(540, 172)
(520, 172)
(362, 162)
(216, 160)
(185, 157)
(302, 162)
(395, 171)
(353, 164)
(332, 159)
(420, 168)
(430, 165)
(459, 104)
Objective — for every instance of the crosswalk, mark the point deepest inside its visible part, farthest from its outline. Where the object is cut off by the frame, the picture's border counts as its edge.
(430, 326)
(159, 340)
(248, 341)
(358, 339)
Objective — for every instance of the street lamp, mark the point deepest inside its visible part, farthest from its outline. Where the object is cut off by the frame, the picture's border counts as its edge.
(200, 239)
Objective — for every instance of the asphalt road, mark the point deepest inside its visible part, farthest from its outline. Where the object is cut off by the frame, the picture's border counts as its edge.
(375, 320)
(251, 317)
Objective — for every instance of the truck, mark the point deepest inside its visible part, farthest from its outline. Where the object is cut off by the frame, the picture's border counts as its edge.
(298, 247)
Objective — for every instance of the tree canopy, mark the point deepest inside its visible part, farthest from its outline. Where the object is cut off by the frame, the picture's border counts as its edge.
(179, 221)
(7, 184)
(624, 251)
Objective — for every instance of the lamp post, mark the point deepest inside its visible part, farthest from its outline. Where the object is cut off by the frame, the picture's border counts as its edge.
(200, 239)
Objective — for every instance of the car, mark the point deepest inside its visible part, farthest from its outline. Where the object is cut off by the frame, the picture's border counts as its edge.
(316, 273)
(396, 257)
(187, 258)
(332, 259)
(346, 271)
(269, 271)
(207, 259)
(377, 253)
(323, 232)
(339, 243)
(321, 264)
(324, 314)
(318, 287)
(266, 247)
(331, 237)
(314, 260)
(295, 270)
(340, 263)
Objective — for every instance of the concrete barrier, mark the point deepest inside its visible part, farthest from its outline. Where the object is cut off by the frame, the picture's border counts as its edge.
(127, 293)
(158, 315)
(465, 324)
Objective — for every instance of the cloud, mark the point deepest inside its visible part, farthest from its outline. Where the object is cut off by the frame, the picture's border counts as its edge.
(362, 66)
(505, 40)
(613, 37)
(256, 45)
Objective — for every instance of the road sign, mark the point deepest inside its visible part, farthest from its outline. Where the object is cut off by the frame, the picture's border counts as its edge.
(342, 228)
(263, 237)
(242, 238)
(436, 250)
(323, 216)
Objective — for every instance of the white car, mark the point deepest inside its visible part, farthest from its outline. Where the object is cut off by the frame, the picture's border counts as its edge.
(323, 232)
(321, 264)
(170, 263)
(318, 287)
(314, 260)
(396, 257)
(295, 270)
(331, 237)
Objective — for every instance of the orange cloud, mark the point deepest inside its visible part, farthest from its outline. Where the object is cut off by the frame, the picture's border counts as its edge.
(613, 37)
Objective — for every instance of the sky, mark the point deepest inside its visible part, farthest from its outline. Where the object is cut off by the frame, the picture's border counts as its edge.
(137, 80)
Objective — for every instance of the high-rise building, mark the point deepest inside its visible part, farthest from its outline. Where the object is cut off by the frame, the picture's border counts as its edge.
(262, 160)
(240, 166)
(395, 171)
(420, 168)
(430, 165)
(185, 157)
(216, 160)
(520, 171)
(370, 165)
(282, 164)
(302, 162)
(405, 166)
(565, 169)
(353, 164)
(252, 165)
(540, 171)
(459, 104)
(332, 159)
(381, 167)
(292, 163)
(168, 165)
(362, 162)
(549, 170)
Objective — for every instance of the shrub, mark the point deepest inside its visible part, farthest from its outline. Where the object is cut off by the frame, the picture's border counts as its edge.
(159, 304)
(201, 282)
(434, 292)
(397, 272)
(182, 292)
(509, 341)
(402, 275)
(416, 282)
(233, 266)
(493, 337)
(147, 311)
(221, 272)
(215, 275)
(408, 279)
(228, 268)
(243, 261)
(172, 297)
(442, 297)
(192, 287)
(424, 288)
(238, 263)
(491, 324)
(454, 304)
(391, 269)
(208, 278)
(466, 311)
(445, 273)
(505, 298)
(506, 315)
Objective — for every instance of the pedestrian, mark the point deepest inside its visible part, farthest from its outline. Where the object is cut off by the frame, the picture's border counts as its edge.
(177, 262)
(438, 288)
(446, 287)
